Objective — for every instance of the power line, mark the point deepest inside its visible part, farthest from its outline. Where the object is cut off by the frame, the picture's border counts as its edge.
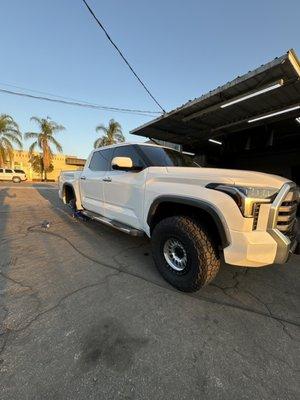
(81, 104)
(75, 100)
(45, 93)
(121, 54)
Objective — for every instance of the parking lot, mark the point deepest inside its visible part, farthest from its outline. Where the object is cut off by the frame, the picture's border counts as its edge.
(85, 315)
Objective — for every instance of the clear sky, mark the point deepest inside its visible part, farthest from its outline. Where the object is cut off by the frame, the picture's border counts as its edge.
(181, 49)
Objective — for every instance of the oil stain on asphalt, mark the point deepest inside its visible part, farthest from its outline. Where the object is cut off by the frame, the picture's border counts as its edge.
(110, 344)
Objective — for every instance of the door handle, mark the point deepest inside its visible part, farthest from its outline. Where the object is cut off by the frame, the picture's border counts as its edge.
(108, 179)
(83, 178)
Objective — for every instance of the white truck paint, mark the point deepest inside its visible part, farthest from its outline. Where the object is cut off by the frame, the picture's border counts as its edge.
(250, 215)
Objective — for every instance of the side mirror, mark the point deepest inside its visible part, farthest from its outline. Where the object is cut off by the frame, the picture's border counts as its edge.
(122, 163)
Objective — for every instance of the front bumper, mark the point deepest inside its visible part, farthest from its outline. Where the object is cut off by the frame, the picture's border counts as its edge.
(266, 246)
(257, 249)
(250, 249)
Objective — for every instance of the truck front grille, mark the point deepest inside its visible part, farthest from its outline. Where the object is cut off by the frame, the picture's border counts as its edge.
(286, 219)
(256, 209)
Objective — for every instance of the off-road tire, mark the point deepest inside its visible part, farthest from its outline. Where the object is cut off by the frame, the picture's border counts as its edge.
(16, 179)
(203, 259)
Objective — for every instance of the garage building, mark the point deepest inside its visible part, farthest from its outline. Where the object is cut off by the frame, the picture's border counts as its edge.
(252, 122)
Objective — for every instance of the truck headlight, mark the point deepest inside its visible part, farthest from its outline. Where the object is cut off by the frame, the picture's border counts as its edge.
(246, 197)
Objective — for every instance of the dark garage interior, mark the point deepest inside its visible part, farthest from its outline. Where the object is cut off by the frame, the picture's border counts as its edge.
(252, 122)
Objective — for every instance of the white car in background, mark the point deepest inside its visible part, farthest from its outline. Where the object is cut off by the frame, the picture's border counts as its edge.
(14, 175)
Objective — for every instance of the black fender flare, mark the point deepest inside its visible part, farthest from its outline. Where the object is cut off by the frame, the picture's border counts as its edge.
(201, 204)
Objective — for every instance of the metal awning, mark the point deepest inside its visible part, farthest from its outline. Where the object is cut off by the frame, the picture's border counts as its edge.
(263, 96)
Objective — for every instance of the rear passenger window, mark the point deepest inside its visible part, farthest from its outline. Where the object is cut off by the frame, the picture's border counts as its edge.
(101, 160)
(8, 171)
(1, 170)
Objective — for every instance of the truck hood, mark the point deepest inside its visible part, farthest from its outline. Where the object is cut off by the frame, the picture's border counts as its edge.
(229, 176)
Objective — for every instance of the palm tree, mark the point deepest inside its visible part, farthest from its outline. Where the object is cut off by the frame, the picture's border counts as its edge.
(36, 162)
(44, 139)
(9, 135)
(112, 134)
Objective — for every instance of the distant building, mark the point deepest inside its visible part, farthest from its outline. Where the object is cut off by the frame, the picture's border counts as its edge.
(61, 162)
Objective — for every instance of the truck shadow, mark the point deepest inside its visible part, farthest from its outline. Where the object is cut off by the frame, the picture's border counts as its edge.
(268, 289)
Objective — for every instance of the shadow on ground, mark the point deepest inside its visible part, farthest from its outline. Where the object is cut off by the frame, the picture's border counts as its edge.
(88, 316)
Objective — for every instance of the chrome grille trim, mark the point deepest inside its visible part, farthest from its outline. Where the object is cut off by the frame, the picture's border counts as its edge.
(256, 209)
(286, 219)
(279, 226)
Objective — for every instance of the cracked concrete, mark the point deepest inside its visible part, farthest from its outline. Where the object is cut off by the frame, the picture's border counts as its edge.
(84, 314)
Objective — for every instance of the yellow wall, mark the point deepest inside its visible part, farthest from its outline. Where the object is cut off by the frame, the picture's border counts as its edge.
(21, 161)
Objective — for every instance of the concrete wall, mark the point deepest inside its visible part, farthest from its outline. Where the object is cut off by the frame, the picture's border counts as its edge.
(21, 161)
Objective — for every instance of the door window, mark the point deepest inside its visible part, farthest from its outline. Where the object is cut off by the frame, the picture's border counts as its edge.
(8, 171)
(129, 151)
(100, 160)
(165, 157)
(1, 170)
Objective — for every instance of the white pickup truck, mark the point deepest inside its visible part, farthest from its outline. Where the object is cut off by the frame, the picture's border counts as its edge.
(193, 215)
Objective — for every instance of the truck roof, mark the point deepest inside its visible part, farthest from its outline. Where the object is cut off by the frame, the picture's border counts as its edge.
(129, 143)
(137, 144)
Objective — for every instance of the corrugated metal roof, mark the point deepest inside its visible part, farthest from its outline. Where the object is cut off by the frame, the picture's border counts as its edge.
(204, 118)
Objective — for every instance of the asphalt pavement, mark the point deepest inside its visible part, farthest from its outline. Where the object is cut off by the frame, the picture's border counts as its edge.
(85, 315)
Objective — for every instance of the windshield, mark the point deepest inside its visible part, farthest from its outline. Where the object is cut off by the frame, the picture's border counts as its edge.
(163, 157)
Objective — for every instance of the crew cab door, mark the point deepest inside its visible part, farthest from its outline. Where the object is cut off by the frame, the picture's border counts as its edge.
(92, 181)
(124, 190)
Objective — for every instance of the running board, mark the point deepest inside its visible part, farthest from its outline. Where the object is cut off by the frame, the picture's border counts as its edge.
(115, 224)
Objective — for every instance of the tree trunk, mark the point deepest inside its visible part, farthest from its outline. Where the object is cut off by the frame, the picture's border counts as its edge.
(43, 172)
